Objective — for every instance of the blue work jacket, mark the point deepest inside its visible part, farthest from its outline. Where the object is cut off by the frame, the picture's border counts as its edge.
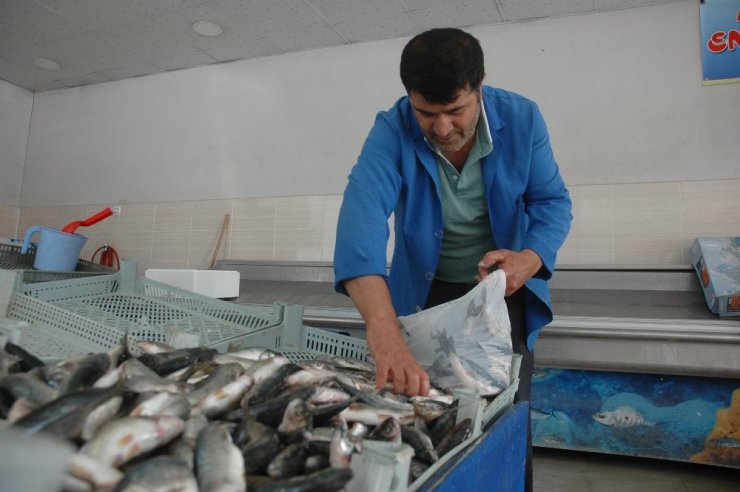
(396, 172)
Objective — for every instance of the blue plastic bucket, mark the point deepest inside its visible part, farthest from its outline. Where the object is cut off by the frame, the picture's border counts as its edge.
(57, 251)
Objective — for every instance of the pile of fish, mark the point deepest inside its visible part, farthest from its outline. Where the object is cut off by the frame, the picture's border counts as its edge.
(198, 420)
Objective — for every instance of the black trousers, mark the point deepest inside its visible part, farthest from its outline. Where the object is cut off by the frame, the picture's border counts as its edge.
(442, 292)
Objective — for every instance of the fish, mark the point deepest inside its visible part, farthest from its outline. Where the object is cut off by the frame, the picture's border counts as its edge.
(289, 462)
(297, 421)
(25, 360)
(416, 469)
(92, 471)
(423, 447)
(261, 446)
(219, 378)
(219, 465)
(372, 415)
(99, 416)
(28, 386)
(457, 435)
(326, 480)
(315, 463)
(162, 403)
(225, 398)
(340, 449)
(388, 430)
(65, 416)
(159, 474)
(85, 372)
(166, 362)
(123, 439)
(622, 417)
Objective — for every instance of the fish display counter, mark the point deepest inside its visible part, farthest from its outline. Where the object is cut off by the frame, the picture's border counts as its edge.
(145, 385)
(633, 363)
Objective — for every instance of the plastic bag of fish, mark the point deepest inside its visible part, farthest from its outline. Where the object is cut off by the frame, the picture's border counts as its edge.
(198, 420)
(465, 343)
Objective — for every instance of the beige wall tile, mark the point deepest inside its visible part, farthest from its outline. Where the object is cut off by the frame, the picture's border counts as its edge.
(208, 215)
(68, 214)
(649, 208)
(593, 211)
(8, 221)
(106, 227)
(173, 216)
(254, 213)
(300, 212)
(169, 264)
(332, 204)
(202, 246)
(586, 248)
(648, 249)
(136, 217)
(298, 245)
(252, 245)
(36, 216)
(171, 245)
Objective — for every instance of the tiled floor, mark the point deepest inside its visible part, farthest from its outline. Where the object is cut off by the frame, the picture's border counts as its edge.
(573, 471)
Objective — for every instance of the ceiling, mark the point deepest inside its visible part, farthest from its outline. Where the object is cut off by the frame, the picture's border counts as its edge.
(102, 40)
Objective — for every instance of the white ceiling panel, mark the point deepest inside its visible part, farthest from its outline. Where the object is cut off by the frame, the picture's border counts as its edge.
(101, 40)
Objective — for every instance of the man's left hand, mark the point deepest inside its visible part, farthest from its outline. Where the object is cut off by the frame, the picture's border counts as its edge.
(518, 267)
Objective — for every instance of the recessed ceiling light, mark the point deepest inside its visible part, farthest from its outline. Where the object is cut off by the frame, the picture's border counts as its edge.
(207, 28)
(46, 64)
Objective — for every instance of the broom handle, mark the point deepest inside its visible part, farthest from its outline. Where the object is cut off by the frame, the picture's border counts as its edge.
(224, 226)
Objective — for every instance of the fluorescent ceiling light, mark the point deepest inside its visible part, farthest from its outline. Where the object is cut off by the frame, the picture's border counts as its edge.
(207, 28)
(46, 64)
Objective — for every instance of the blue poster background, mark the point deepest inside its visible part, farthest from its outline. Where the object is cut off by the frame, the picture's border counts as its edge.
(681, 418)
(720, 16)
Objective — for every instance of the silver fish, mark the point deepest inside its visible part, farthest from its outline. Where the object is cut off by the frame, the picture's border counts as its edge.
(340, 449)
(89, 469)
(121, 440)
(220, 377)
(99, 416)
(159, 474)
(162, 403)
(372, 415)
(219, 465)
(297, 418)
(225, 398)
(28, 386)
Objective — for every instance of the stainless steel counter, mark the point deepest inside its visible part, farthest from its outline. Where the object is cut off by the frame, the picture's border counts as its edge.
(634, 320)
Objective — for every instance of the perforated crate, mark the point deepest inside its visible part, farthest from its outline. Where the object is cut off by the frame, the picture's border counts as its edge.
(12, 259)
(92, 314)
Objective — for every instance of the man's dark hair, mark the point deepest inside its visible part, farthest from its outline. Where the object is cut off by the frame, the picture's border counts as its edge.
(440, 62)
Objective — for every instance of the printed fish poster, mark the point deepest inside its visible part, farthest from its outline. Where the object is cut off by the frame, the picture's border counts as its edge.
(720, 38)
(680, 418)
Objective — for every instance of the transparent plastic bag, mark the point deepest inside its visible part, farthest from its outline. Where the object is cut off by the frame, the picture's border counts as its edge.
(465, 343)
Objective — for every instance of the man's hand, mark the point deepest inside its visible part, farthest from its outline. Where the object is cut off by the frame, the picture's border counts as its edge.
(394, 362)
(518, 267)
(393, 359)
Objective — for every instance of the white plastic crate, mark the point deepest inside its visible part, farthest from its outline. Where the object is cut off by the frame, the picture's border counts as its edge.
(219, 284)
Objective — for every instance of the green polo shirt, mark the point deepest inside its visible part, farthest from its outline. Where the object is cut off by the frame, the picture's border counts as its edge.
(467, 230)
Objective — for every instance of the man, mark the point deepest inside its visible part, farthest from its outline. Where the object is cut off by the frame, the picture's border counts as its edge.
(468, 172)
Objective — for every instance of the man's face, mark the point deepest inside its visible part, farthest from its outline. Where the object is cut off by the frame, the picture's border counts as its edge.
(448, 126)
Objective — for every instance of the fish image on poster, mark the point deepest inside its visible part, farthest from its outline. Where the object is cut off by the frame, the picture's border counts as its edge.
(681, 418)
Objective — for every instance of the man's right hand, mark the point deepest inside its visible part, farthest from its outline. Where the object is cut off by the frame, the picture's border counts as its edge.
(394, 362)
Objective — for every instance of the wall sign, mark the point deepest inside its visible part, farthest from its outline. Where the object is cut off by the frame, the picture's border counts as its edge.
(720, 38)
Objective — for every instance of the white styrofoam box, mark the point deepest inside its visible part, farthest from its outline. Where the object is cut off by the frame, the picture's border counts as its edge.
(219, 284)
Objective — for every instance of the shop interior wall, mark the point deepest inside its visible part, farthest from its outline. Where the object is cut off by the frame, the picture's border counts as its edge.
(621, 92)
(15, 116)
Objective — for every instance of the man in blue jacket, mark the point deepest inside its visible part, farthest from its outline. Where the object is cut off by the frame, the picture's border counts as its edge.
(469, 175)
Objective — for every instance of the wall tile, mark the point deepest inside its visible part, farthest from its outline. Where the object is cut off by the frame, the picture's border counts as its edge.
(136, 217)
(642, 224)
(254, 213)
(252, 245)
(173, 216)
(8, 221)
(208, 215)
(298, 245)
(300, 212)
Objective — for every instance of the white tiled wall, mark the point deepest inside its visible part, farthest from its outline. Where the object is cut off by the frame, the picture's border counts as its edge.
(641, 224)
